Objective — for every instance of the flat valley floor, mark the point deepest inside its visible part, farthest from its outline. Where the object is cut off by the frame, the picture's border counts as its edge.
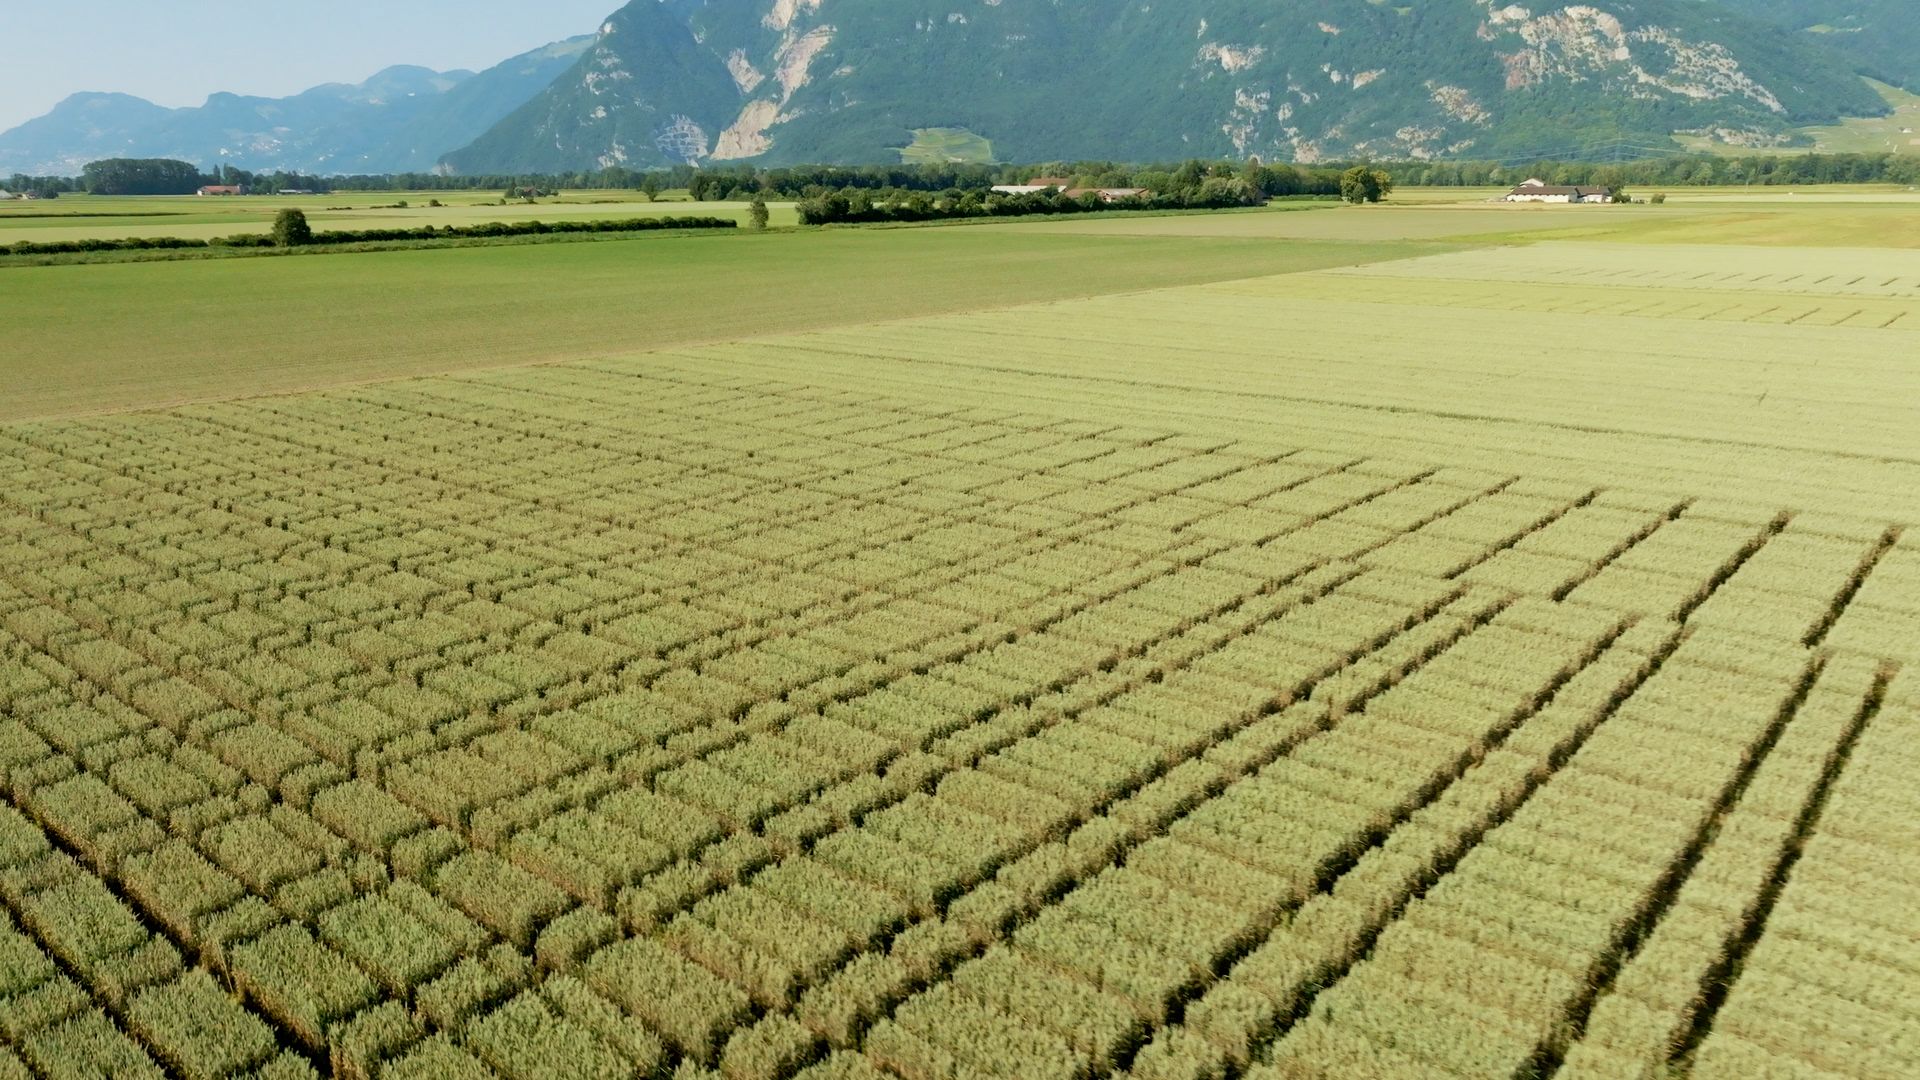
(1431, 641)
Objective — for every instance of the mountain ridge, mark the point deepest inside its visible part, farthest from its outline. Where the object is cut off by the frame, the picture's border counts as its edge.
(848, 81)
(400, 119)
(777, 82)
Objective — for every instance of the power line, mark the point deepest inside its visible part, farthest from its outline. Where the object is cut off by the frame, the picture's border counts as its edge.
(1617, 151)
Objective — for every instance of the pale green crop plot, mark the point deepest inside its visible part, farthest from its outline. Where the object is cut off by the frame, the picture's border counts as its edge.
(1317, 221)
(1382, 661)
(939, 146)
(1822, 272)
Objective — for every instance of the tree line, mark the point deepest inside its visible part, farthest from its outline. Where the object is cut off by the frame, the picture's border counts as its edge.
(1684, 170)
(40, 187)
(1184, 179)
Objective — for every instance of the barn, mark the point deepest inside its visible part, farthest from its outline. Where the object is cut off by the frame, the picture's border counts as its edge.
(1539, 191)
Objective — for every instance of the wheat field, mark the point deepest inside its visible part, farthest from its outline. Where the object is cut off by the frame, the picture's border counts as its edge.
(1492, 663)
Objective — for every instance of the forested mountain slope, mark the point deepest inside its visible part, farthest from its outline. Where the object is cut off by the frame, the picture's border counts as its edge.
(1882, 36)
(851, 80)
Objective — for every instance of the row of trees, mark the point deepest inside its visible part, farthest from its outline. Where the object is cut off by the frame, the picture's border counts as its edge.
(854, 204)
(40, 187)
(142, 176)
(1688, 170)
(1183, 179)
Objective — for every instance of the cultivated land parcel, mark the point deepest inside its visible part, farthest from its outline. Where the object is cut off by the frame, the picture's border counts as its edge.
(1441, 641)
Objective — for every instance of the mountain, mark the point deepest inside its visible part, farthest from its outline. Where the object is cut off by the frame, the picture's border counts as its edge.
(468, 110)
(1882, 36)
(402, 119)
(787, 81)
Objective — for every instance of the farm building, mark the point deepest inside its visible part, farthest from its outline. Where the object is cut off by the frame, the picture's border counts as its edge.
(1539, 191)
(222, 189)
(1035, 186)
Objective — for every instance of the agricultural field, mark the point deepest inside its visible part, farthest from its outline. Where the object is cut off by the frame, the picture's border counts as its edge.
(1382, 655)
(941, 146)
(209, 329)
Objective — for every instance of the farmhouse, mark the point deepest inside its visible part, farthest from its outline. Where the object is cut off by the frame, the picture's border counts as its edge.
(1035, 186)
(222, 189)
(1539, 191)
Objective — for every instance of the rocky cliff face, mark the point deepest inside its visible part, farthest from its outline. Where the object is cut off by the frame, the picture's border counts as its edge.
(849, 80)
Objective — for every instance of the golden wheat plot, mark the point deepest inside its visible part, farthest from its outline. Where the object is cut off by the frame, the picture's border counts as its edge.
(1143, 686)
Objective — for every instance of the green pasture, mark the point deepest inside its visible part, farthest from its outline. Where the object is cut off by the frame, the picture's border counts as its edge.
(942, 146)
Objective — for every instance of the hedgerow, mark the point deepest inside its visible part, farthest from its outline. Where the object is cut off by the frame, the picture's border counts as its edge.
(369, 236)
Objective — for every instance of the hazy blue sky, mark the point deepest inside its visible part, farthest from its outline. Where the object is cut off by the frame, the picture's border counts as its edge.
(176, 53)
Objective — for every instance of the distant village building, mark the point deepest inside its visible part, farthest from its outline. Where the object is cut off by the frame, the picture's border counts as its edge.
(1539, 191)
(1035, 186)
(297, 191)
(222, 189)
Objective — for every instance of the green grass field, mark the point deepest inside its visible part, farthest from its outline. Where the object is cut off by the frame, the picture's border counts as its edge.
(1434, 641)
(941, 146)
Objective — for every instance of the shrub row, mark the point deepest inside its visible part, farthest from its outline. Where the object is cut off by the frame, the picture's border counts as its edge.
(361, 236)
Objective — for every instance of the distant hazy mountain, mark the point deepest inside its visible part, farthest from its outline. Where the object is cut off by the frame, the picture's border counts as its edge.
(778, 81)
(402, 119)
(1883, 36)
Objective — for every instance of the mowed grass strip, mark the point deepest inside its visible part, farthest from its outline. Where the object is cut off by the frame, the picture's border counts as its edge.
(83, 339)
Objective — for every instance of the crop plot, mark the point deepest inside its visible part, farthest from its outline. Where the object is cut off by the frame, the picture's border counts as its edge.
(931, 701)
(1813, 272)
